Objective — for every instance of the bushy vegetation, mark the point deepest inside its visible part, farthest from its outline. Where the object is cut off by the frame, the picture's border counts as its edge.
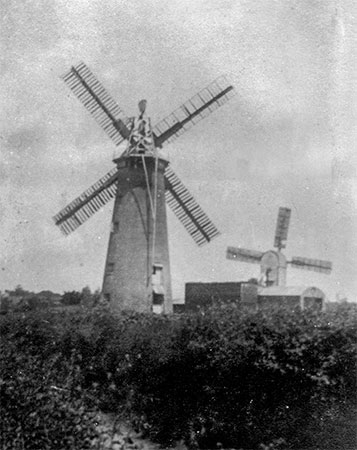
(42, 402)
(245, 380)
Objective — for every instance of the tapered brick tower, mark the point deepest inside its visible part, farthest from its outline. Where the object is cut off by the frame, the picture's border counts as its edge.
(137, 269)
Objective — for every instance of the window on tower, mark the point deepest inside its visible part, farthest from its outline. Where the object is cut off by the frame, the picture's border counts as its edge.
(157, 275)
(115, 227)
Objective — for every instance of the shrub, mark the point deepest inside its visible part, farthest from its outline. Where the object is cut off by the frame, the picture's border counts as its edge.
(71, 298)
(42, 404)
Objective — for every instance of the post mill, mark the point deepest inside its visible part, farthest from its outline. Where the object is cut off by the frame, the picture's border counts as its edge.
(273, 263)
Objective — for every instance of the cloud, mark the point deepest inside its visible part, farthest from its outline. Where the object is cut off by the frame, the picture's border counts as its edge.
(30, 27)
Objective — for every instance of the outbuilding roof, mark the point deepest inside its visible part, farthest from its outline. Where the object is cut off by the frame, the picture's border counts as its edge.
(290, 291)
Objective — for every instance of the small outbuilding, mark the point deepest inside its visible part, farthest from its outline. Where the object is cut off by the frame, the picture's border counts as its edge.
(199, 296)
(294, 297)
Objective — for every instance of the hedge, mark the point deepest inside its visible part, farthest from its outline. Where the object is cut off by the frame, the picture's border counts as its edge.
(278, 380)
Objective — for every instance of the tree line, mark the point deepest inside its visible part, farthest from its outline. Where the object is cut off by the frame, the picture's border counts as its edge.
(20, 299)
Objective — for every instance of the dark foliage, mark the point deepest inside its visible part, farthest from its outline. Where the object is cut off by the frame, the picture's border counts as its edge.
(278, 380)
(42, 403)
(71, 298)
(21, 300)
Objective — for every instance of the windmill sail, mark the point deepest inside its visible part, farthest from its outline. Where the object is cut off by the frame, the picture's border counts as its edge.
(187, 209)
(98, 102)
(316, 265)
(282, 227)
(195, 109)
(88, 203)
(244, 255)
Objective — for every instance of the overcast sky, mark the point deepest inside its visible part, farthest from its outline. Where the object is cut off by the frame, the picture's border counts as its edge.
(288, 138)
